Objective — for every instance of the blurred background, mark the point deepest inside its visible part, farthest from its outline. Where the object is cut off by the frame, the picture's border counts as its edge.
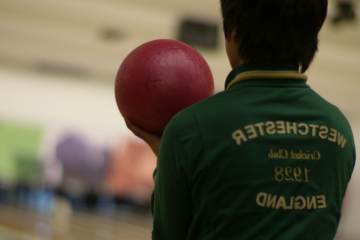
(69, 168)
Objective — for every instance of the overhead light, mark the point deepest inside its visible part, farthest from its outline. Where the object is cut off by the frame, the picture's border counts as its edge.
(199, 33)
(111, 34)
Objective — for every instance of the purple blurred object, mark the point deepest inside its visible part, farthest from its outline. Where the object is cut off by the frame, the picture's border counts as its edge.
(80, 160)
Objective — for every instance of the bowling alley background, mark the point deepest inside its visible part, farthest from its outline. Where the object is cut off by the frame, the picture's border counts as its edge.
(69, 168)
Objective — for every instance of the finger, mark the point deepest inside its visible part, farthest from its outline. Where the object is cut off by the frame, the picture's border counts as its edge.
(140, 132)
(151, 139)
(134, 129)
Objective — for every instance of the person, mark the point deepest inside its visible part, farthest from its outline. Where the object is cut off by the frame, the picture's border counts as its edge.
(267, 158)
(345, 12)
(129, 174)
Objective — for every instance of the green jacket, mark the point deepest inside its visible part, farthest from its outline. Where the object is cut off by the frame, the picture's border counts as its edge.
(267, 158)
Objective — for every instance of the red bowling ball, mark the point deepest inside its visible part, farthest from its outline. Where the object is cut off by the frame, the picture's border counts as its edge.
(157, 80)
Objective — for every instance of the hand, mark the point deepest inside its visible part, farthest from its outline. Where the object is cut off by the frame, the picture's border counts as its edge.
(152, 140)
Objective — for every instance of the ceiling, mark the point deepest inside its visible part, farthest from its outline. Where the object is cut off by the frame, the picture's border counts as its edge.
(88, 39)
(73, 35)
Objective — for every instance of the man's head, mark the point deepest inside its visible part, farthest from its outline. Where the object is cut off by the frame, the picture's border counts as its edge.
(272, 32)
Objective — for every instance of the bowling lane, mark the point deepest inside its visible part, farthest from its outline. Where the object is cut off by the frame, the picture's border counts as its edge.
(17, 223)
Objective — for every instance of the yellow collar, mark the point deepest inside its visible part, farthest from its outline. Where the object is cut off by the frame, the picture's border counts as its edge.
(265, 74)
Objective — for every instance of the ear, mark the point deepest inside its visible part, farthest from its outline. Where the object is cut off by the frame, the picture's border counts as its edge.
(232, 50)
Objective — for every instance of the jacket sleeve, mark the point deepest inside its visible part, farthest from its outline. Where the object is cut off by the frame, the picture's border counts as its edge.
(171, 202)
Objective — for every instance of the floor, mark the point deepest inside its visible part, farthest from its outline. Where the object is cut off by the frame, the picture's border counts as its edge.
(22, 224)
